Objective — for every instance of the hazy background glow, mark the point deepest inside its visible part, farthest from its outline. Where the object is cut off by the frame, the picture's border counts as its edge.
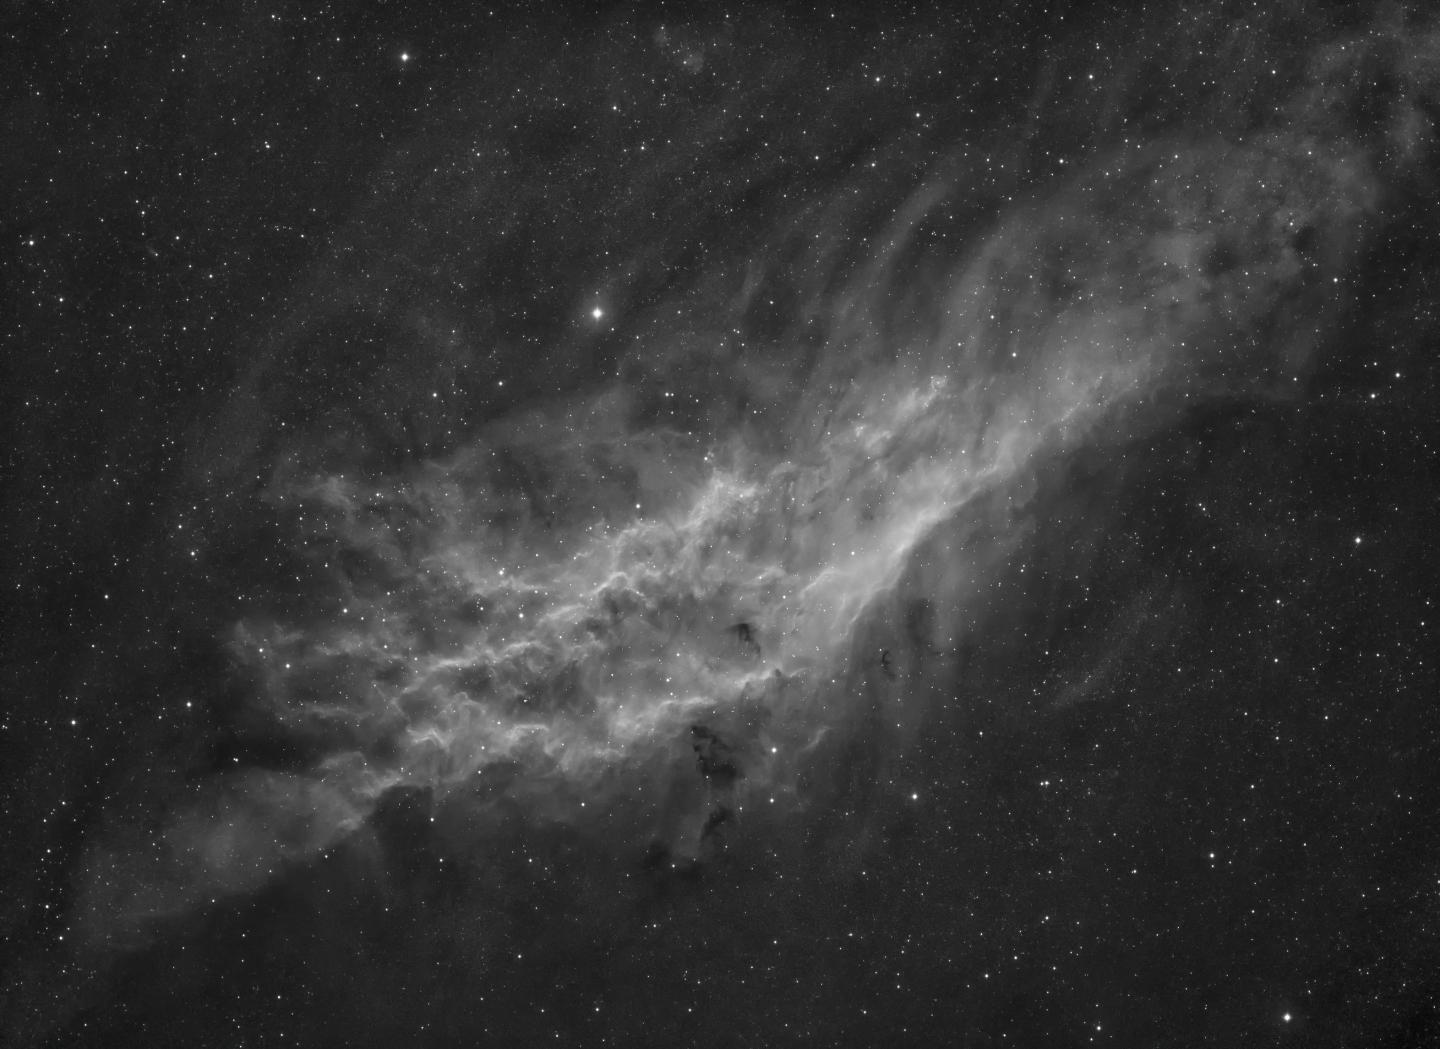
(532, 550)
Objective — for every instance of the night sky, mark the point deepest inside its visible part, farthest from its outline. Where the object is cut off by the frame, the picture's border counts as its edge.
(720, 526)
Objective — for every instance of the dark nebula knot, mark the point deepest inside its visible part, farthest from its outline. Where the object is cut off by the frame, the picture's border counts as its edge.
(714, 756)
(715, 526)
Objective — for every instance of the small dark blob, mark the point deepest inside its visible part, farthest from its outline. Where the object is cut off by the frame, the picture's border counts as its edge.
(666, 867)
(392, 673)
(744, 635)
(887, 663)
(719, 816)
(1222, 258)
(1306, 242)
(475, 678)
(473, 610)
(713, 755)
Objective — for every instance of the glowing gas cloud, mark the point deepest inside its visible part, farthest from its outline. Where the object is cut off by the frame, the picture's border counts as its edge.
(664, 571)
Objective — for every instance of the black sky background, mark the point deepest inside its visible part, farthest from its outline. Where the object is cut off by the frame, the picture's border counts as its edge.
(1135, 744)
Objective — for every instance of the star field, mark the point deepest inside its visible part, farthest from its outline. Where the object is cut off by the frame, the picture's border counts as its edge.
(627, 525)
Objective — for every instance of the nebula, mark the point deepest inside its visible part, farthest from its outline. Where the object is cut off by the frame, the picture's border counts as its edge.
(748, 465)
(753, 528)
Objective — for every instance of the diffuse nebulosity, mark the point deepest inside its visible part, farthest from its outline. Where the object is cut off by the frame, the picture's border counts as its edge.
(653, 583)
